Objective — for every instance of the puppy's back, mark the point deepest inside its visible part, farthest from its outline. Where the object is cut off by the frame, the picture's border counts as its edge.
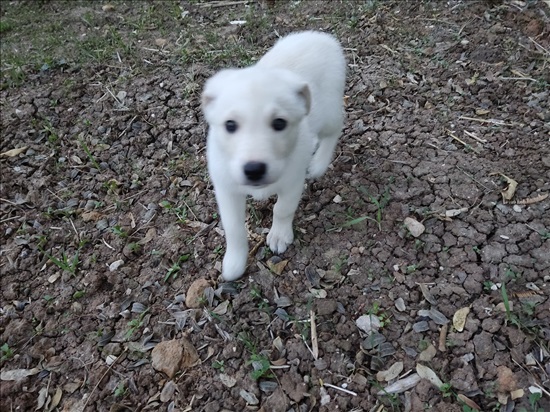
(318, 59)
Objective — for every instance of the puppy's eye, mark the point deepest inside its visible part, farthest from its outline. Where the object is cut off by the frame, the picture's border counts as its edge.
(278, 124)
(231, 126)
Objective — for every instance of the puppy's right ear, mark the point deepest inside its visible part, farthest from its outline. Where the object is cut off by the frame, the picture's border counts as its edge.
(213, 85)
(206, 99)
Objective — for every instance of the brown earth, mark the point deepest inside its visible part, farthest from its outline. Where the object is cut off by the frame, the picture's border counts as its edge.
(107, 215)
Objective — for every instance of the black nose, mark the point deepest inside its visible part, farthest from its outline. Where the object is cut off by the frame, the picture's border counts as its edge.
(255, 171)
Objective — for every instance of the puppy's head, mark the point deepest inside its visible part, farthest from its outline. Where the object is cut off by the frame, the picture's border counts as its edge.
(254, 118)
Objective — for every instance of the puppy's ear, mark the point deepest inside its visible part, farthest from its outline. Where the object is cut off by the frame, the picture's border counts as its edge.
(206, 99)
(305, 95)
(213, 86)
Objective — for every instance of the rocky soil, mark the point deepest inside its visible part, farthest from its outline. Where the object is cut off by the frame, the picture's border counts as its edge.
(420, 275)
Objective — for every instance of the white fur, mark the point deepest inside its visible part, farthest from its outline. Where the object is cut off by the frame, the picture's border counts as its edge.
(301, 80)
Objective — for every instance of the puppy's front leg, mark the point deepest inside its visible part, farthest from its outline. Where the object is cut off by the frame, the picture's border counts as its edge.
(232, 208)
(281, 234)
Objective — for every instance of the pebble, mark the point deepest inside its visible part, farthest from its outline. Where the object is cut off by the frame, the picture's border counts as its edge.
(421, 326)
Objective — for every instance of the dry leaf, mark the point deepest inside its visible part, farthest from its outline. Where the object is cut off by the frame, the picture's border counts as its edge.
(468, 401)
(401, 385)
(56, 399)
(459, 318)
(455, 212)
(278, 267)
(481, 112)
(391, 373)
(426, 373)
(14, 152)
(108, 7)
(530, 200)
(161, 42)
(18, 374)
(518, 393)
(510, 191)
(318, 293)
(42, 396)
(426, 293)
(221, 309)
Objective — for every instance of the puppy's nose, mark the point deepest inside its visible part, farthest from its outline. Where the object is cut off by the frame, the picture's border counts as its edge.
(255, 171)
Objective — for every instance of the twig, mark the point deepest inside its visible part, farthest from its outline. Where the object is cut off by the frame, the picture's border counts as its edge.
(492, 121)
(466, 145)
(474, 179)
(223, 3)
(102, 377)
(328, 385)
(473, 136)
(314, 340)
(443, 338)
(545, 51)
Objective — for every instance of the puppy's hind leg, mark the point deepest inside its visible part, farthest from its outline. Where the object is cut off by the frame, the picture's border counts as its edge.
(232, 208)
(323, 155)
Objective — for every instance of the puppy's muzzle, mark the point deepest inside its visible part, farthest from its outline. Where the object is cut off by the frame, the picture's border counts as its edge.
(255, 172)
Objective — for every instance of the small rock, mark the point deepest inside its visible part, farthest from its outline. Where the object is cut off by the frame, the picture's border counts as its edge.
(368, 323)
(227, 380)
(115, 265)
(249, 397)
(506, 379)
(166, 357)
(421, 326)
(170, 356)
(326, 306)
(400, 304)
(195, 294)
(414, 226)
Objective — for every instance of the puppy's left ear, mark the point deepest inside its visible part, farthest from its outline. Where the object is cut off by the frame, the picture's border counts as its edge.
(305, 95)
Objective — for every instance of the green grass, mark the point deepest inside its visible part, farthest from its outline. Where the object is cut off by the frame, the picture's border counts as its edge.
(65, 262)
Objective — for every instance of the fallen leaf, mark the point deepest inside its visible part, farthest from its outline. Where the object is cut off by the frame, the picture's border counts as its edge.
(278, 267)
(221, 309)
(510, 191)
(518, 393)
(426, 373)
(401, 385)
(455, 212)
(481, 112)
(14, 152)
(459, 318)
(18, 374)
(56, 399)
(468, 401)
(42, 396)
(161, 42)
(391, 373)
(318, 293)
(530, 200)
(426, 293)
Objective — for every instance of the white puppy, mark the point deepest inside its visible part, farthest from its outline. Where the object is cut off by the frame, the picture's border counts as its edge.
(265, 122)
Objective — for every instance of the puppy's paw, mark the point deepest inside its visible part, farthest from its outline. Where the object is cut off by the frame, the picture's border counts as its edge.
(279, 239)
(234, 265)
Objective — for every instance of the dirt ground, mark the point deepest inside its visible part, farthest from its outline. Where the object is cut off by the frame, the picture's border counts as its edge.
(435, 207)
